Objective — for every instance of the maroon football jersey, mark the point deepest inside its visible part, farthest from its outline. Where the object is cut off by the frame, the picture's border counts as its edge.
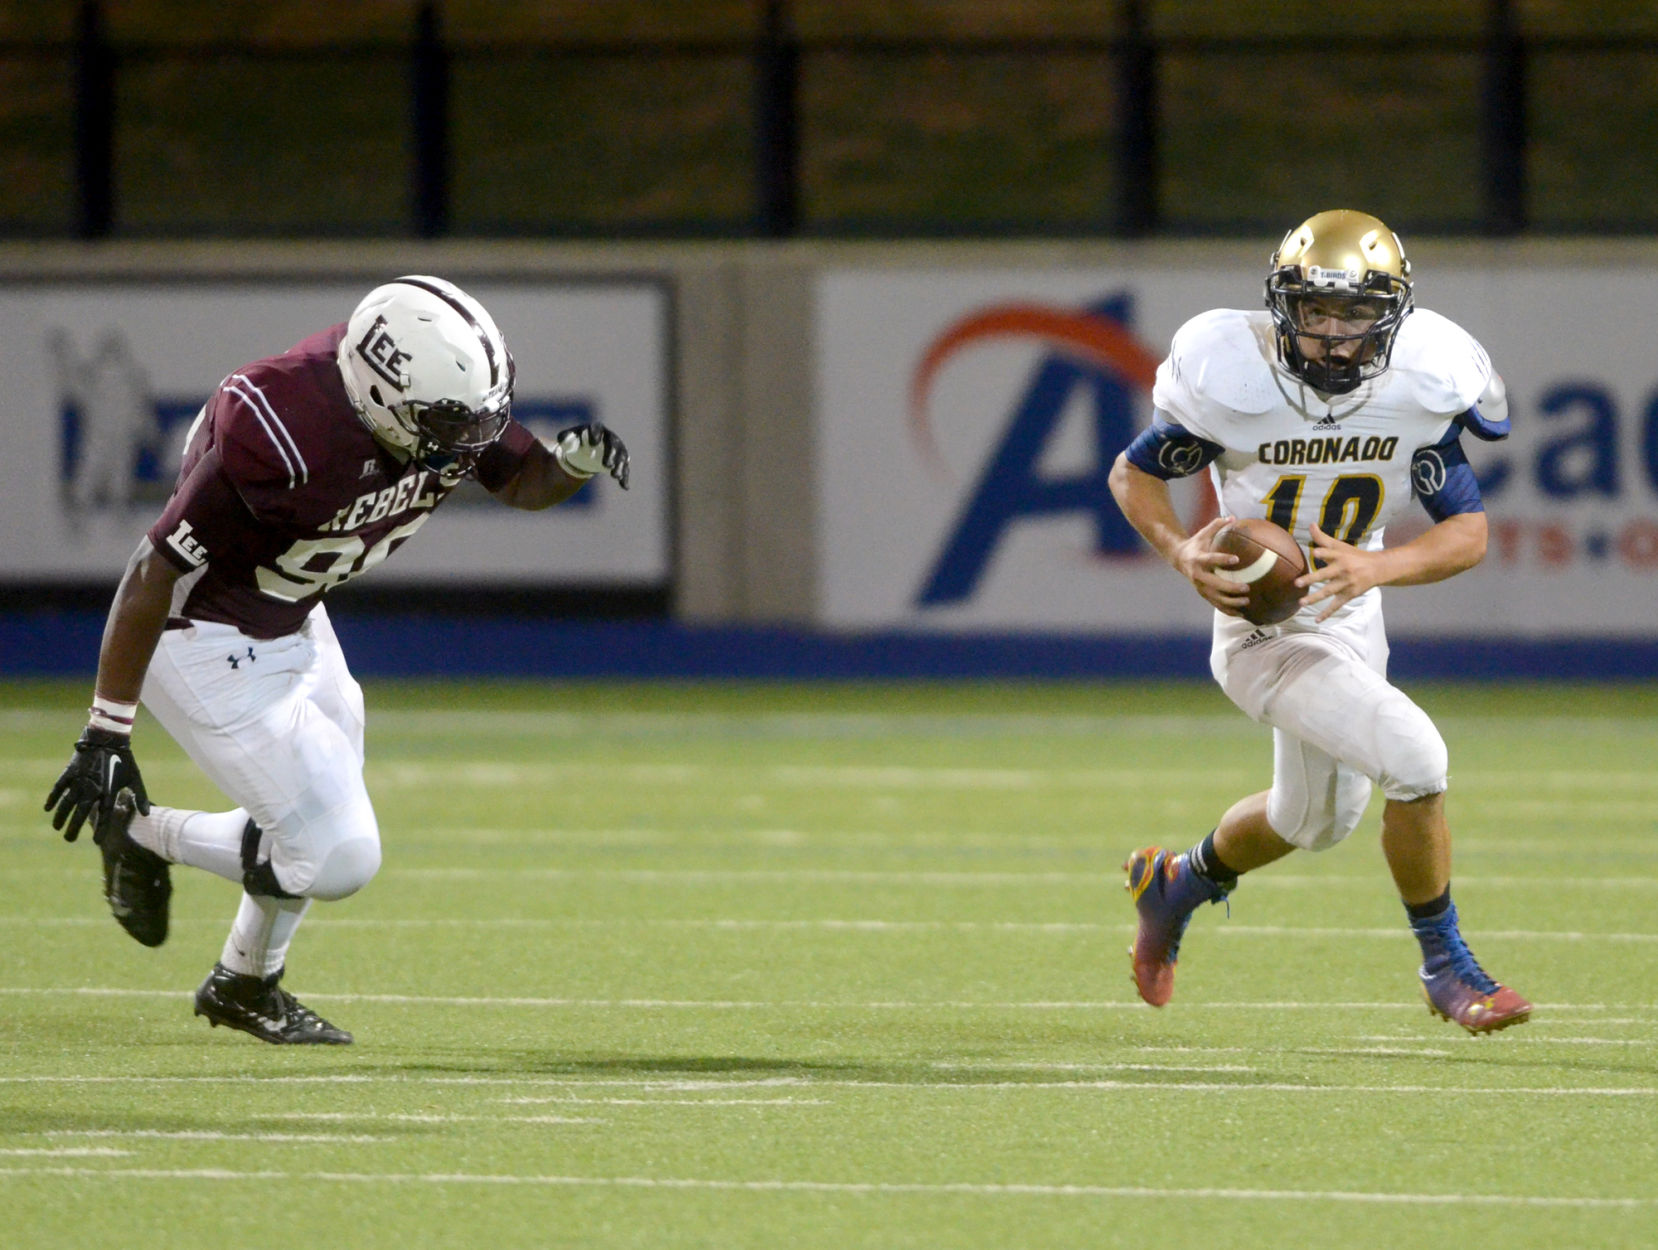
(283, 493)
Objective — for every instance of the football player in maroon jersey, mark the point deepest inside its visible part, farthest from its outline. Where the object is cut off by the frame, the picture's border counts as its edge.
(302, 471)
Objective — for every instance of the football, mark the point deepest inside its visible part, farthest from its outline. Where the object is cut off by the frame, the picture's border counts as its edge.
(1269, 561)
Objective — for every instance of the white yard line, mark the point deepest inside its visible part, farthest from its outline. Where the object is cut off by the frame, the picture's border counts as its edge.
(904, 876)
(345, 1139)
(494, 776)
(858, 1083)
(879, 1188)
(1107, 879)
(424, 722)
(573, 1100)
(1375, 1052)
(1056, 927)
(991, 1065)
(66, 1152)
(718, 1004)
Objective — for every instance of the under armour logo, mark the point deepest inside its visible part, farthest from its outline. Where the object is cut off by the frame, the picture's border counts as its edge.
(236, 660)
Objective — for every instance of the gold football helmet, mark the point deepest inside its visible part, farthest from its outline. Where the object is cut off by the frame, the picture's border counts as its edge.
(1338, 289)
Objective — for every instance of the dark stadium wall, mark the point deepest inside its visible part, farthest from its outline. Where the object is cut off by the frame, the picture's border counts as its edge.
(65, 644)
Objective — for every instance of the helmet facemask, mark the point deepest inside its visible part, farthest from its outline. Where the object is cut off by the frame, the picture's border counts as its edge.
(448, 436)
(1337, 362)
(1345, 268)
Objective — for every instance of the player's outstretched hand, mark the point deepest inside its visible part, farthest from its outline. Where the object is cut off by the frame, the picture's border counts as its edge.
(1197, 560)
(101, 768)
(1340, 571)
(586, 450)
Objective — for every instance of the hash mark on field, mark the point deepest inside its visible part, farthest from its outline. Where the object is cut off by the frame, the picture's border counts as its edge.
(962, 1188)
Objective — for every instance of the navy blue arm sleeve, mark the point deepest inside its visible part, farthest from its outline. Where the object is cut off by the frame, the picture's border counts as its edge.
(1167, 450)
(1482, 427)
(1443, 479)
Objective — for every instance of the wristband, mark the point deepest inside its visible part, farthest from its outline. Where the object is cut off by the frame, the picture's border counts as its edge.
(111, 716)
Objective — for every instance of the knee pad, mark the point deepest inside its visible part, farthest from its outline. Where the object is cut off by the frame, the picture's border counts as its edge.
(1322, 820)
(347, 868)
(1415, 762)
(344, 868)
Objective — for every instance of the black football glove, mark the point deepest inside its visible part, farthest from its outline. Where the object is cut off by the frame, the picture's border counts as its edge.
(585, 450)
(101, 768)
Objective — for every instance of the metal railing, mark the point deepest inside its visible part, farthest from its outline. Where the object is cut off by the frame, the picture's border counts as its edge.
(775, 55)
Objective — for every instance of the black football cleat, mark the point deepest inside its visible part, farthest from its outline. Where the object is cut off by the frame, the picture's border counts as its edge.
(255, 1005)
(137, 884)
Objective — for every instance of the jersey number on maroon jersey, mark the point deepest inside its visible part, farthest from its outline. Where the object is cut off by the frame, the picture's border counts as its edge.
(297, 573)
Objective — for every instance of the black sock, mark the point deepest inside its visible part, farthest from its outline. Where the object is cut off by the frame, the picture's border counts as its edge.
(1431, 910)
(1208, 864)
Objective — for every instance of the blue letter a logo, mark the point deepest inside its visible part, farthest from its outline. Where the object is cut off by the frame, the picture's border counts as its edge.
(1097, 355)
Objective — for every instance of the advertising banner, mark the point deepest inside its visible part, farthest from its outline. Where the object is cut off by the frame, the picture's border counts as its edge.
(968, 422)
(99, 382)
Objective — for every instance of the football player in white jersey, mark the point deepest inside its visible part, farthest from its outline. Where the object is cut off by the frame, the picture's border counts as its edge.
(1325, 413)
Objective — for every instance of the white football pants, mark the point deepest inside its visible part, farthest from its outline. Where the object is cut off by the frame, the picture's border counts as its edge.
(278, 727)
(1338, 725)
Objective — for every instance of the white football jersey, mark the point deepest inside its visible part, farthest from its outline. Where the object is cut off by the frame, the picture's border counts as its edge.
(1298, 457)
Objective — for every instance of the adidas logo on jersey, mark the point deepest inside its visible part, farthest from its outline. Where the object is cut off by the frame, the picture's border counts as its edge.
(1328, 423)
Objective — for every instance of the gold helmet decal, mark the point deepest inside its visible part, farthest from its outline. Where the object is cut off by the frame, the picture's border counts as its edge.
(1339, 287)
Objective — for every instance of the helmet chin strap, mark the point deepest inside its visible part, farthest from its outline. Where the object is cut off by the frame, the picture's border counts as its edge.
(1325, 378)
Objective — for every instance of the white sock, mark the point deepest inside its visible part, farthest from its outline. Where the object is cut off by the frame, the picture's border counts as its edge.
(210, 840)
(258, 941)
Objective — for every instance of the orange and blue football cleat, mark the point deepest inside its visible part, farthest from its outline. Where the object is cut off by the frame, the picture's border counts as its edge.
(1166, 891)
(1457, 988)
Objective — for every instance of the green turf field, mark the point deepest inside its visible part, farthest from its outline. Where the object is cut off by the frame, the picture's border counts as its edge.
(842, 967)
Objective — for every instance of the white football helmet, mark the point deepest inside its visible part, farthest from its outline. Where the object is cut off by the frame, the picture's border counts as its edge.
(428, 372)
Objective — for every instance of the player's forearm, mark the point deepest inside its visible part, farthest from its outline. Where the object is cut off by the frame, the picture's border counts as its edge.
(134, 626)
(540, 482)
(1146, 502)
(1453, 546)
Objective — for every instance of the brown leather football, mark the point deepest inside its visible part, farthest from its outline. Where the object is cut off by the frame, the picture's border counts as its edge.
(1269, 561)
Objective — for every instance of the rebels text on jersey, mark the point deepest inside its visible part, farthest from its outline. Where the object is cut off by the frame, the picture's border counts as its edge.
(283, 493)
